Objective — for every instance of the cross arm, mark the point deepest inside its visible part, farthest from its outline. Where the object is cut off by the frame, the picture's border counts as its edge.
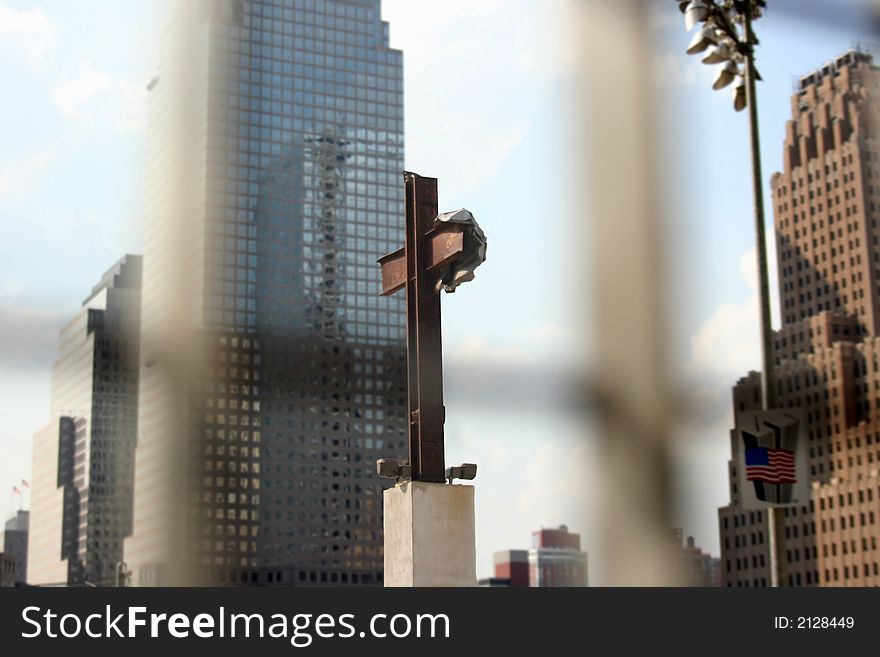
(447, 243)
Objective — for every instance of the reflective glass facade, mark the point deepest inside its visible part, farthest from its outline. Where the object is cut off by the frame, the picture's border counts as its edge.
(304, 383)
(305, 191)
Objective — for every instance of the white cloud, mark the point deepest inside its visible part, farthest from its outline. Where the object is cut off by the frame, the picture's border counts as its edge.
(677, 70)
(473, 93)
(94, 97)
(449, 13)
(494, 151)
(549, 346)
(25, 36)
(24, 406)
(700, 454)
(475, 349)
(132, 103)
(11, 288)
(728, 342)
(535, 470)
(61, 227)
(30, 336)
(19, 176)
(73, 97)
(725, 348)
(563, 497)
(665, 16)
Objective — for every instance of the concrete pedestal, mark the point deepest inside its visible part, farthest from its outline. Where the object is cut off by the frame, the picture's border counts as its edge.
(429, 535)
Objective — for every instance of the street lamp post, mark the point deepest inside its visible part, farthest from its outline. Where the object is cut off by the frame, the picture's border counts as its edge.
(728, 39)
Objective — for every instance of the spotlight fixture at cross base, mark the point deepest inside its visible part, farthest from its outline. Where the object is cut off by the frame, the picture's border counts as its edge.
(389, 468)
(393, 469)
(465, 471)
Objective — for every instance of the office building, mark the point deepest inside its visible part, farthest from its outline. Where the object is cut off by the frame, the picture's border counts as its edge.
(81, 489)
(8, 577)
(494, 583)
(699, 568)
(512, 566)
(273, 372)
(15, 543)
(826, 204)
(554, 560)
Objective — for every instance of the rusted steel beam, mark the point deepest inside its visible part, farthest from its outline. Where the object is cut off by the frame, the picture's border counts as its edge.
(446, 245)
(412, 267)
(424, 344)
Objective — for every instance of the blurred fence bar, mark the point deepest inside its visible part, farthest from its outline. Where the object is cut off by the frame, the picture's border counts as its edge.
(630, 376)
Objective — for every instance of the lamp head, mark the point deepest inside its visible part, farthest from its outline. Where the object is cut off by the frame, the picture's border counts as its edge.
(726, 75)
(695, 12)
(702, 40)
(740, 100)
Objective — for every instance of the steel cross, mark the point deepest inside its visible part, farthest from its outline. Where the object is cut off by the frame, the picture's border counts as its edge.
(416, 268)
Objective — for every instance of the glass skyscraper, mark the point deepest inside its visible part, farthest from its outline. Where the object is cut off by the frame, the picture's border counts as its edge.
(273, 374)
(81, 502)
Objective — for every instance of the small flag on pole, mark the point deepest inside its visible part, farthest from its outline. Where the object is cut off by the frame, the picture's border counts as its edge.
(773, 466)
(25, 484)
(15, 490)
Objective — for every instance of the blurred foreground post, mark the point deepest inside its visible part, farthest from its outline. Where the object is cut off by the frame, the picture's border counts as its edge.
(627, 230)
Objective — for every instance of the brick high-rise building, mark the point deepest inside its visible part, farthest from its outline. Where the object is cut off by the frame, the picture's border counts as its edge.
(827, 218)
(700, 568)
(556, 559)
(512, 567)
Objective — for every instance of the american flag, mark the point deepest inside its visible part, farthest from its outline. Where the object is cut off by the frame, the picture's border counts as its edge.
(773, 466)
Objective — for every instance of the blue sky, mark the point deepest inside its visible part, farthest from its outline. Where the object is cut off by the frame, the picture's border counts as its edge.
(488, 96)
